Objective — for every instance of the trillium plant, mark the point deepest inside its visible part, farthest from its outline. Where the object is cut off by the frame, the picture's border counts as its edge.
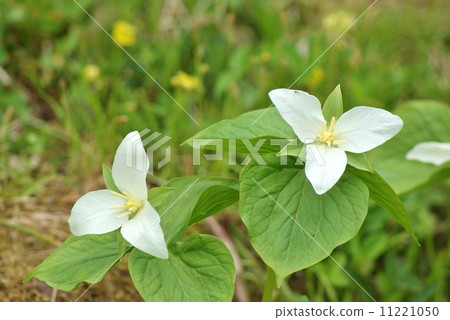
(299, 197)
(358, 130)
(436, 153)
(102, 211)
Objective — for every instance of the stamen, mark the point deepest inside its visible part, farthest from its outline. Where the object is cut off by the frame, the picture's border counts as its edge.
(119, 195)
(131, 205)
(332, 123)
(127, 194)
(123, 214)
(124, 206)
(328, 136)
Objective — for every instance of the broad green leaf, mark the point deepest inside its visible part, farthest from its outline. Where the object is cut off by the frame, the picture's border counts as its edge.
(382, 193)
(359, 161)
(123, 245)
(157, 195)
(86, 258)
(440, 176)
(107, 177)
(289, 225)
(269, 125)
(198, 269)
(191, 200)
(333, 106)
(295, 150)
(423, 121)
(212, 200)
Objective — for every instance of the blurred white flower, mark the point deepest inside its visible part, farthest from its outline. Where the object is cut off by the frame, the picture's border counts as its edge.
(338, 21)
(430, 152)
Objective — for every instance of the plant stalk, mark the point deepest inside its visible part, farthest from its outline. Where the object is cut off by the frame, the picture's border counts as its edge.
(268, 287)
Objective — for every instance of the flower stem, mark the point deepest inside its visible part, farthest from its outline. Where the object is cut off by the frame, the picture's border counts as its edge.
(268, 287)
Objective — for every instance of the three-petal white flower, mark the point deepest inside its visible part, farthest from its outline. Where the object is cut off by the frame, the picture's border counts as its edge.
(357, 130)
(102, 211)
(430, 152)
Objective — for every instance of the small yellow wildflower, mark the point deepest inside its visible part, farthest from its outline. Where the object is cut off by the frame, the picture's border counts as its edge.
(91, 72)
(185, 81)
(124, 33)
(316, 78)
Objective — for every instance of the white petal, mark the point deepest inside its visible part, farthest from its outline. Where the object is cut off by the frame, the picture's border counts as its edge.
(130, 167)
(430, 152)
(145, 233)
(324, 166)
(91, 214)
(301, 111)
(364, 128)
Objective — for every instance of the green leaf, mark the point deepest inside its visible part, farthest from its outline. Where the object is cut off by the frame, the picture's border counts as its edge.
(212, 200)
(298, 151)
(382, 193)
(272, 197)
(442, 175)
(333, 106)
(192, 199)
(359, 161)
(199, 269)
(423, 121)
(157, 195)
(107, 177)
(269, 125)
(123, 245)
(86, 258)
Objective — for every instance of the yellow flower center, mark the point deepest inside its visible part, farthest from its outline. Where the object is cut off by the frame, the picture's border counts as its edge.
(131, 205)
(328, 136)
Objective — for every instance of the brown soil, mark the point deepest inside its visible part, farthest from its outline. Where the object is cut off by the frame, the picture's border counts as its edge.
(30, 229)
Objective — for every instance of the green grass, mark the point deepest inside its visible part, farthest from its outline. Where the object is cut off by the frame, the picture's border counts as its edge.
(57, 125)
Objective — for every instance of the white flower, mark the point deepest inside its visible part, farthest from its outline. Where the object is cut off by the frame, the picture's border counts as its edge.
(103, 211)
(430, 152)
(358, 130)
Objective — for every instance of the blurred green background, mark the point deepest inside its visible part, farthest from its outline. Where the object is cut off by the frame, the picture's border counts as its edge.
(69, 94)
